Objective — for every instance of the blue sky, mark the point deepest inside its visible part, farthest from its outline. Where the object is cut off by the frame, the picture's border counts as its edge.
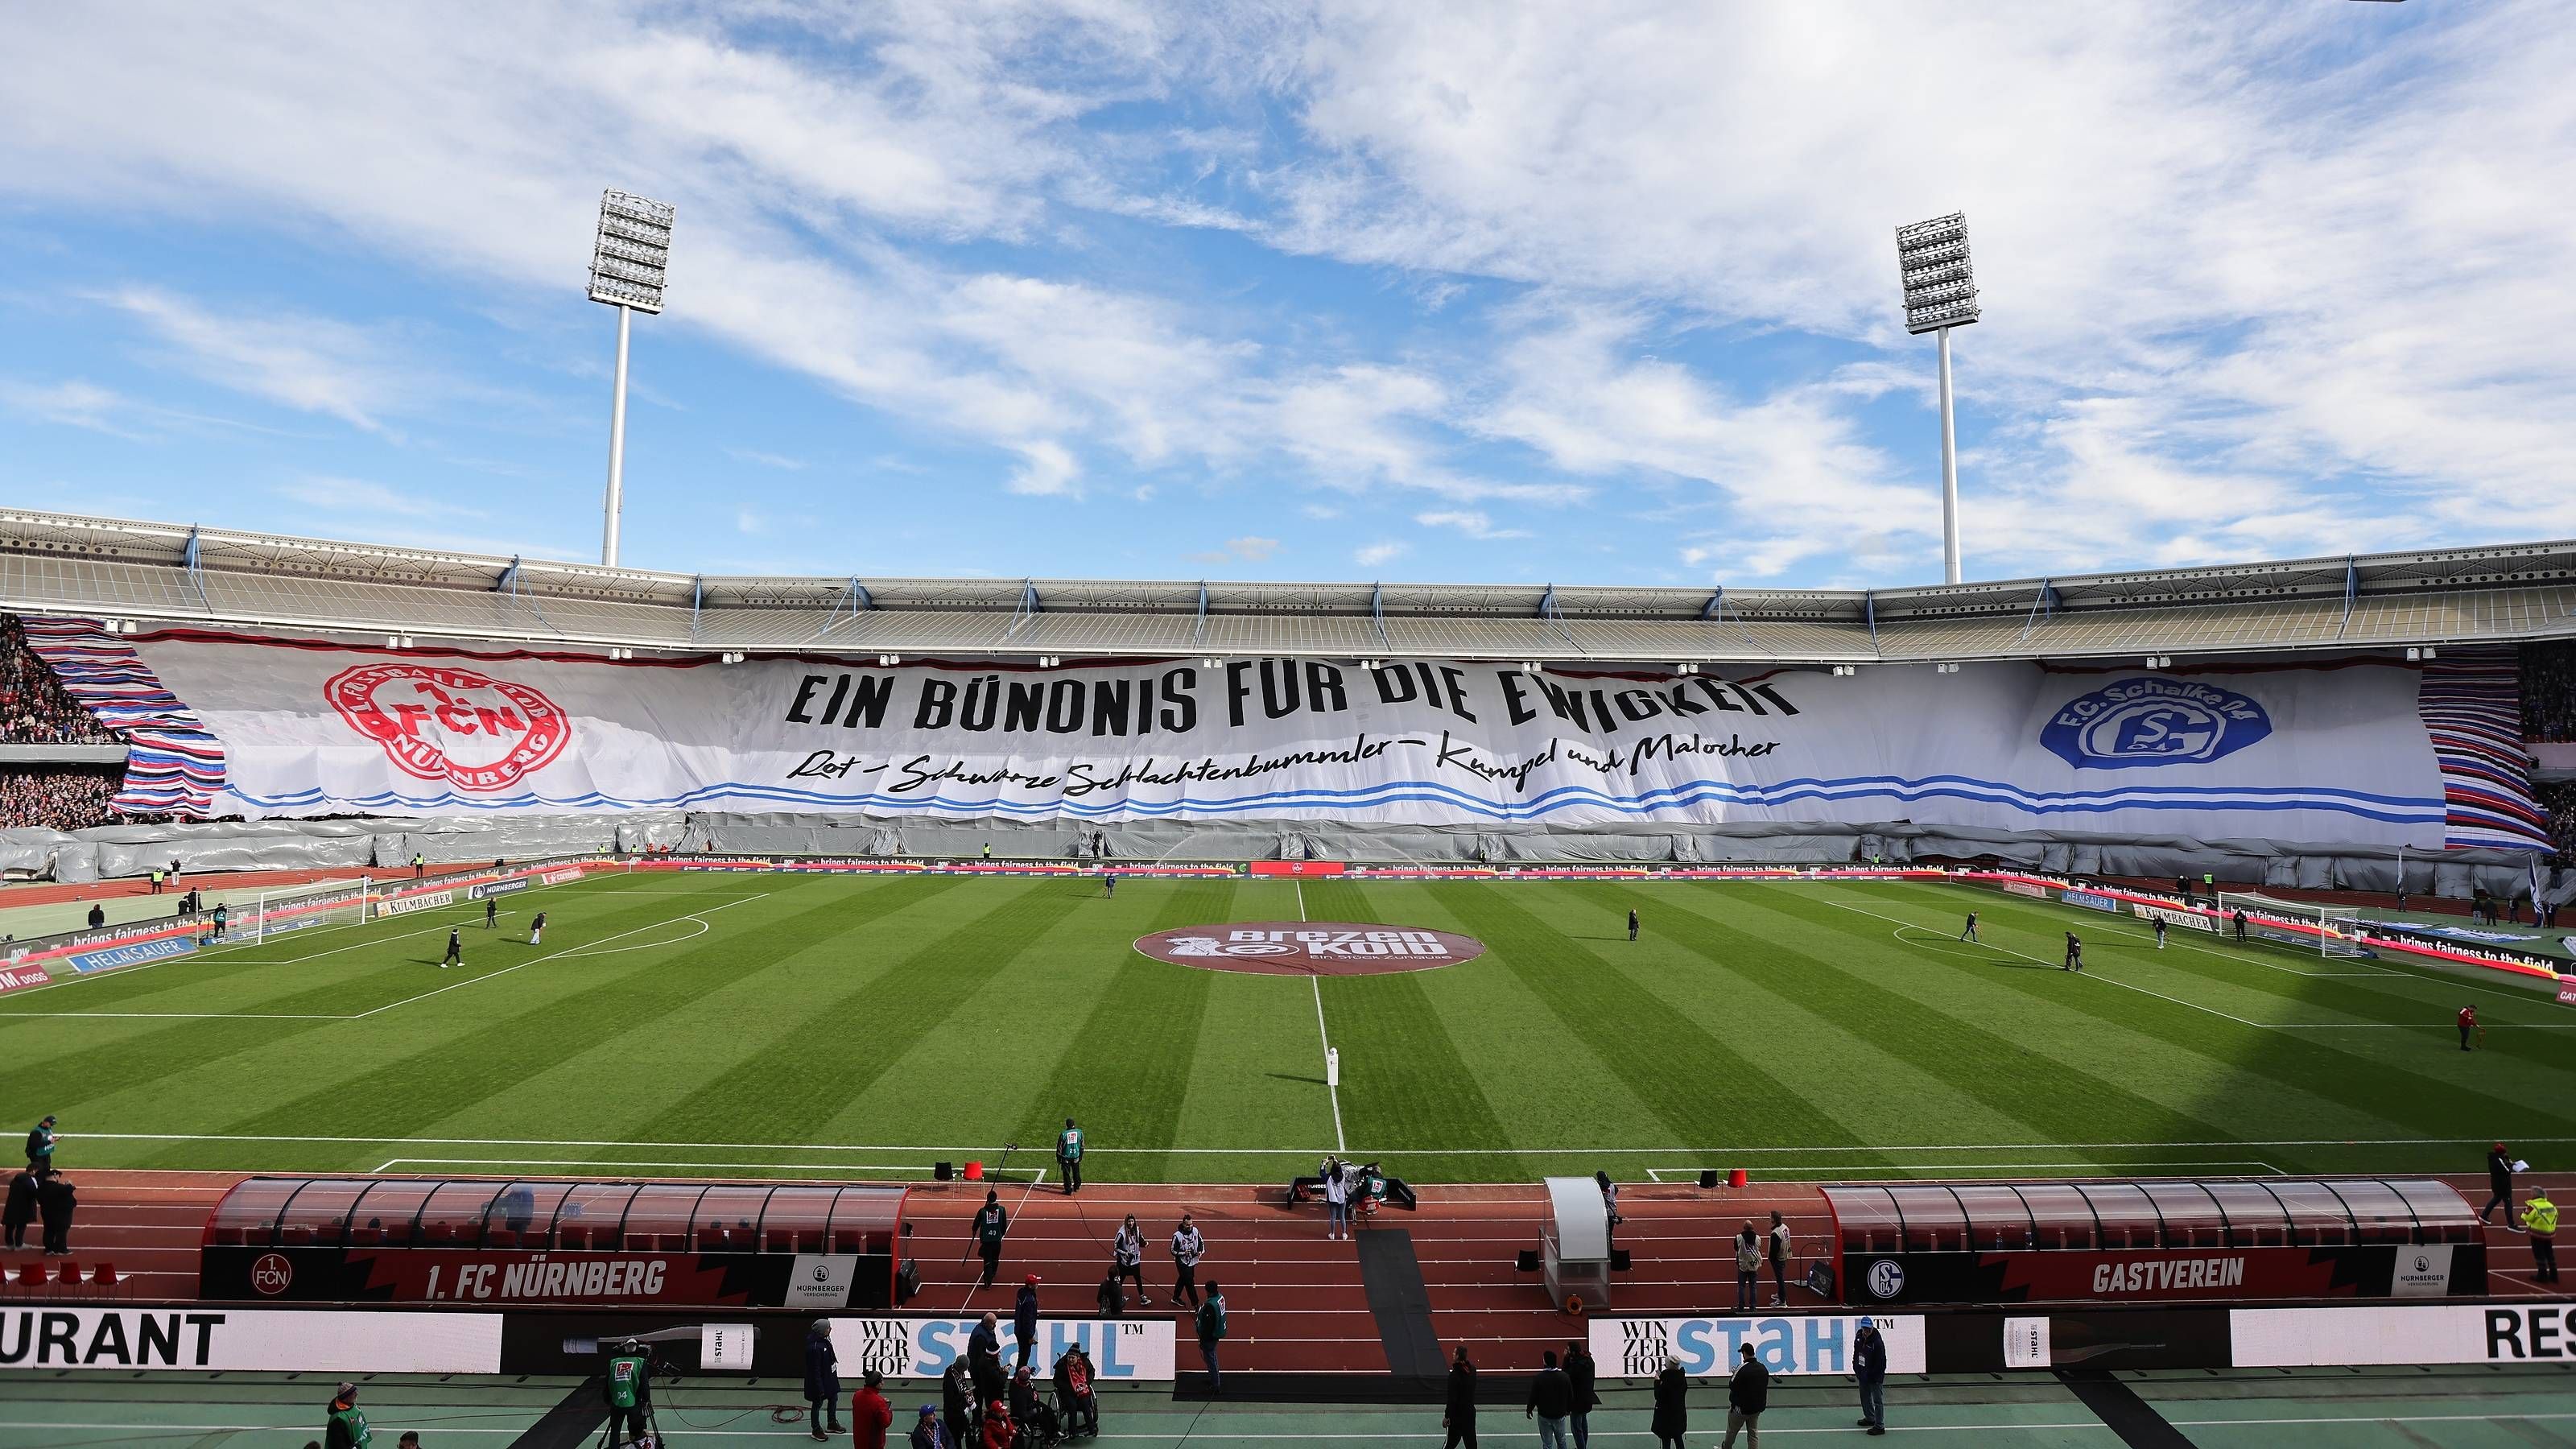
(1598, 293)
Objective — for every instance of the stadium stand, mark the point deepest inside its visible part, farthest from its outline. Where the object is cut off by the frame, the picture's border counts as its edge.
(34, 710)
(58, 797)
(2549, 691)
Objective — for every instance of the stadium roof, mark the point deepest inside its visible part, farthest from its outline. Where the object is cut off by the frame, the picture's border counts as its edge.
(164, 573)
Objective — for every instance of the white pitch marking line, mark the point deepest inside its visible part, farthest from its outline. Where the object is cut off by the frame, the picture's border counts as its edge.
(541, 960)
(702, 929)
(391, 1163)
(1340, 1143)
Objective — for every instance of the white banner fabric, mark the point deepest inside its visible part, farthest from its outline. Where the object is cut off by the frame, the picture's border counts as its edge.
(2467, 1333)
(2327, 754)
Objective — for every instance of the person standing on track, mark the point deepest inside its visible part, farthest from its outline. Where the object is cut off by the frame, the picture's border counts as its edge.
(1127, 1256)
(1187, 1248)
(1632, 923)
(2239, 919)
(2468, 1024)
(2074, 953)
(1779, 1254)
(1748, 1268)
(2160, 933)
(2540, 1220)
(345, 1424)
(1211, 1326)
(628, 1388)
(419, 865)
(1970, 934)
(1580, 1374)
(2499, 1185)
(491, 912)
(1337, 1200)
(1458, 1411)
(1672, 1406)
(455, 949)
(992, 1225)
(1024, 1321)
(1068, 1157)
(822, 1379)
(537, 929)
(223, 917)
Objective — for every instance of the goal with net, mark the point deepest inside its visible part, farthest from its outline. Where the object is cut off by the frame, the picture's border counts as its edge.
(2332, 930)
(295, 908)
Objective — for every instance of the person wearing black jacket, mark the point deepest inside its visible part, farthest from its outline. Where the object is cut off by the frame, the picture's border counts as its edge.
(1024, 1322)
(1458, 1415)
(992, 1225)
(21, 1210)
(1579, 1374)
(1747, 1395)
(2499, 1185)
(984, 1358)
(1551, 1400)
(97, 916)
(54, 1201)
(956, 1402)
(1869, 1365)
(822, 1380)
(1672, 1406)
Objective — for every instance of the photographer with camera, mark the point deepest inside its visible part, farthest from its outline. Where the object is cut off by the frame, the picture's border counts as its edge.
(628, 1387)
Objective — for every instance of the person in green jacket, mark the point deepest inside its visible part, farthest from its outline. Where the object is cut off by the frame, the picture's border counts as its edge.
(1068, 1156)
(628, 1387)
(2540, 1220)
(346, 1427)
(1211, 1327)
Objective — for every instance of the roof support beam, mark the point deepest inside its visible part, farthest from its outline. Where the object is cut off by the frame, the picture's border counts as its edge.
(2043, 606)
(197, 570)
(1029, 608)
(1716, 601)
(1548, 610)
(855, 598)
(1198, 625)
(2351, 591)
(697, 604)
(1869, 614)
(1377, 615)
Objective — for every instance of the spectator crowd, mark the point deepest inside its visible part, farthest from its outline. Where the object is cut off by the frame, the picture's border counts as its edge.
(34, 709)
(59, 797)
(2549, 690)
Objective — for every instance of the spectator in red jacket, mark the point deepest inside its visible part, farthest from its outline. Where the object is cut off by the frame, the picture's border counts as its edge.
(870, 1415)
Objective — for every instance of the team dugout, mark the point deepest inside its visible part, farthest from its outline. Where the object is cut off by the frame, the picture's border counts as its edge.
(553, 1214)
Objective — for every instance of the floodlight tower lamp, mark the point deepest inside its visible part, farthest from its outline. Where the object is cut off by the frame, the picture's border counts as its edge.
(1940, 293)
(627, 269)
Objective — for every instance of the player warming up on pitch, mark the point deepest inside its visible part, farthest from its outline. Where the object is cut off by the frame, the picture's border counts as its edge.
(2074, 953)
(1632, 923)
(455, 949)
(1970, 934)
(2469, 1027)
(537, 929)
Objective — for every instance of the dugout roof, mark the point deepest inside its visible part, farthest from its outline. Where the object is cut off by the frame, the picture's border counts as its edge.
(2252, 1212)
(160, 573)
(557, 1214)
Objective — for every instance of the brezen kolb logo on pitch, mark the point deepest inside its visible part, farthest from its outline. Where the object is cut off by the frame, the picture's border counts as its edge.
(2139, 722)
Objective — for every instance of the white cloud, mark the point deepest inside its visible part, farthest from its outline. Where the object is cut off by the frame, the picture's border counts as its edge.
(769, 460)
(1379, 553)
(360, 496)
(1474, 523)
(311, 364)
(1248, 549)
(71, 403)
(1046, 470)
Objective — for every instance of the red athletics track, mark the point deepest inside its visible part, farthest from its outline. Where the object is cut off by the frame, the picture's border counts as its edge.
(1296, 1300)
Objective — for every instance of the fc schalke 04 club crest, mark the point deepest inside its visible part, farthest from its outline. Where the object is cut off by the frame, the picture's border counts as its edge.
(442, 722)
(2140, 722)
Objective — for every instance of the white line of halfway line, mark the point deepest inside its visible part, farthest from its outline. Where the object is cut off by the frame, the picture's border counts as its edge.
(551, 955)
(1331, 1088)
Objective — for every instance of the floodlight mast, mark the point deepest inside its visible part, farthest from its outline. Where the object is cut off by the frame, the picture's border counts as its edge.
(626, 272)
(1940, 293)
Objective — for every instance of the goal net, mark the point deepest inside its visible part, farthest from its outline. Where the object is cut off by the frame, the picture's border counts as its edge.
(297, 908)
(2331, 929)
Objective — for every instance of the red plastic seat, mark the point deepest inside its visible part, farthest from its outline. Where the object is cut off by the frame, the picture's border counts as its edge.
(31, 1275)
(70, 1277)
(104, 1275)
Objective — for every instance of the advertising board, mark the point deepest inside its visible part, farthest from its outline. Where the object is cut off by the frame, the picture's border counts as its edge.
(1635, 1348)
(1122, 1350)
(2469, 1333)
(250, 1340)
(2214, 1275)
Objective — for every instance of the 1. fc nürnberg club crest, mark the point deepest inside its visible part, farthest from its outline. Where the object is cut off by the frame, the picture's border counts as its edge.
(440, 722)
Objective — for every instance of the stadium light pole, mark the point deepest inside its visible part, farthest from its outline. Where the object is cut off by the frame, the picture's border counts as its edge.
(1940, 293)
(626, 272)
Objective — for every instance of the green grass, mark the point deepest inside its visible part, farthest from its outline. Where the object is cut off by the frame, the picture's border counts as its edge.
(753, 1024)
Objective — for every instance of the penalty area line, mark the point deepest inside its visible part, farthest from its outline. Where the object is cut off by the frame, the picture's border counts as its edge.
(552, 956)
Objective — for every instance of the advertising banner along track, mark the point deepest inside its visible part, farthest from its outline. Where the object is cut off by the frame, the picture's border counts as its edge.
(2363, 751)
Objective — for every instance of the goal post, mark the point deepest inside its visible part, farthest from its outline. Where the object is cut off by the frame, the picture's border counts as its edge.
(2340, 934)
(2332, 930)
(297, 908)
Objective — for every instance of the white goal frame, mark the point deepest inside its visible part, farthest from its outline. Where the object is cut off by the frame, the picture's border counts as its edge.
(296, 907)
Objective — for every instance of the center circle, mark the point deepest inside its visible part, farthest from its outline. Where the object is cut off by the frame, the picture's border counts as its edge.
(1310, 948)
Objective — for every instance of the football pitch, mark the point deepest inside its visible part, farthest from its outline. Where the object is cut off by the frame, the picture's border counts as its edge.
(862, 1027)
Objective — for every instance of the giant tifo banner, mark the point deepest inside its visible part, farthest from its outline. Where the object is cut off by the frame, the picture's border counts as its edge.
(2361, 751)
